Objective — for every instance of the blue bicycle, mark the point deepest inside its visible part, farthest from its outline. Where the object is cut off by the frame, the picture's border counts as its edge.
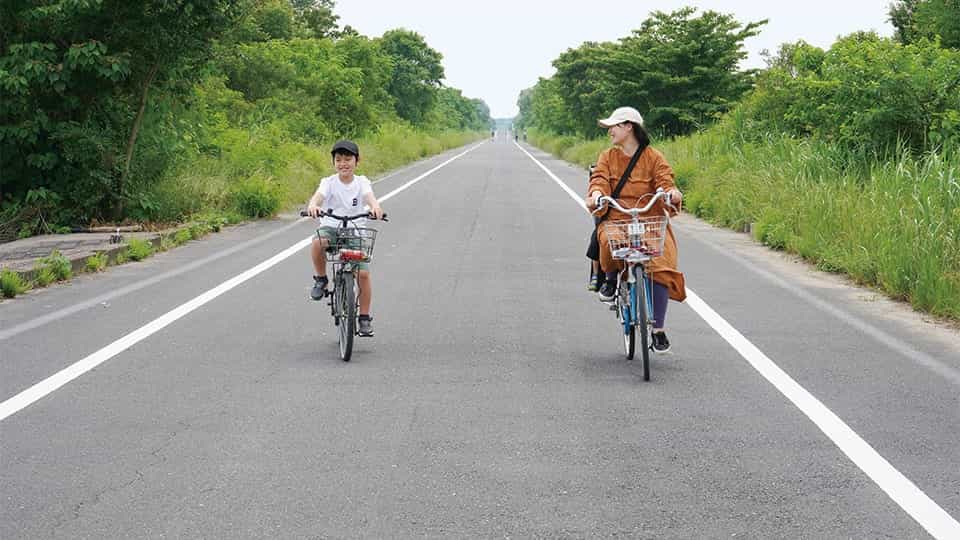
(636, 241)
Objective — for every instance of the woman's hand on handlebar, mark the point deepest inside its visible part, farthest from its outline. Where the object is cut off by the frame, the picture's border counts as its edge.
(676, 197)
(593, 201)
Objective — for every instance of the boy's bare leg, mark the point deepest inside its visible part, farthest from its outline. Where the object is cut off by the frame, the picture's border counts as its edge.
(316, 253)
(365, 294)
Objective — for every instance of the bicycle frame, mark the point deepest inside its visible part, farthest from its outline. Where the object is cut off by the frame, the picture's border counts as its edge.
(637, 309)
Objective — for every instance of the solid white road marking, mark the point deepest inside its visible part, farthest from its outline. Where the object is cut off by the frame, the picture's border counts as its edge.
(898, 487)
(62, 377)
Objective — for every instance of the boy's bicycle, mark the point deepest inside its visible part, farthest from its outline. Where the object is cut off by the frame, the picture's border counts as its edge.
(353, 245)
(635, 241)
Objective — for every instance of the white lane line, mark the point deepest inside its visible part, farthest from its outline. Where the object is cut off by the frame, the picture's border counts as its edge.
(915, 502)
(62, 377)
(559, 182)
(898, 487)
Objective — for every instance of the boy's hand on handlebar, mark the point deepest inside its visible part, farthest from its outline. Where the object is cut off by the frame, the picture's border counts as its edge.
(376, 212)
(314, 211)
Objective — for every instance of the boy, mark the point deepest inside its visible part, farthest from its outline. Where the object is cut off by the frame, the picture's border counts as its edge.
(343, 194)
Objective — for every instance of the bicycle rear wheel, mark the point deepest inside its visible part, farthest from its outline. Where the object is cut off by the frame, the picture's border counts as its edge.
(643, 318)
(347, 313)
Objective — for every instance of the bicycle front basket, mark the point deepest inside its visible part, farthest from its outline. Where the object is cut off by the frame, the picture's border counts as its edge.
(645, 236)
(354, 244)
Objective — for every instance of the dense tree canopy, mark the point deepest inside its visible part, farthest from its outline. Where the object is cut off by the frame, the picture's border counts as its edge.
(679, 69)
(101, 97)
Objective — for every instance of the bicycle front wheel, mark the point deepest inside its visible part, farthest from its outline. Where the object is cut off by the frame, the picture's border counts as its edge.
(347, 313)
(643, 318)
(628, 330)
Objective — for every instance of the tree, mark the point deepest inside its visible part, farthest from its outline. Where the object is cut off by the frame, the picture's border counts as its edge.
(917, 19)
(680, 70)
(76, 76)
(417, 71)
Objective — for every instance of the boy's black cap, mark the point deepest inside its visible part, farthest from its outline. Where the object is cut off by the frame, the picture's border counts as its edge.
(345, 146)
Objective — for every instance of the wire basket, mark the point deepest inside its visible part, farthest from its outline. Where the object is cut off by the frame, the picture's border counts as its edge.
(643, 237)
(352, 244)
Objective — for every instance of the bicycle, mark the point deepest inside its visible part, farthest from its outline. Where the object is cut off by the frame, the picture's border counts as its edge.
(353, 245)
(636, 241)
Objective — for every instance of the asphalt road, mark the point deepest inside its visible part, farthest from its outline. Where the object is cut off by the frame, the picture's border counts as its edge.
(494, 400)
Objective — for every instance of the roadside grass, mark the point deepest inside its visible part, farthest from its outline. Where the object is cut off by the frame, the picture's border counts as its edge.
(893, 224)
(258, 173)
(12, 284)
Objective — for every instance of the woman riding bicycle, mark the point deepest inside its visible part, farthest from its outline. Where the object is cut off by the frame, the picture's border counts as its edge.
(651, 171)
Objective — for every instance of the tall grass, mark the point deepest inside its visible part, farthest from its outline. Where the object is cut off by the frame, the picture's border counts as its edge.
(259, 172)
(889, 223)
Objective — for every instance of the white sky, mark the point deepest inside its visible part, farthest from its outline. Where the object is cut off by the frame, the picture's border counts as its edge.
(492, 49)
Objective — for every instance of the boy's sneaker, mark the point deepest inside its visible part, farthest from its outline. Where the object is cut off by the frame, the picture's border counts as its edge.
(660, 342)
(607, 292)
(365, 326)
(319, 289)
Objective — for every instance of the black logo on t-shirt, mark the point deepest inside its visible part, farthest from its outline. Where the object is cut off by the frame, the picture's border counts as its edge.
(354, 201)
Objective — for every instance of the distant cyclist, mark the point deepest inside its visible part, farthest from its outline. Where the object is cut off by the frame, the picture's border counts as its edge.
(343, 194)
(651, 171)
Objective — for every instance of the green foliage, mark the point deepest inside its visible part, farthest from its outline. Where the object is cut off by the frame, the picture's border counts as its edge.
(927, 19)
(43, 276)
(12, 284)
(182, 236)
(204, 95)
(97, 262)
(891, 223)
(416, 75)
(73, 75)
(867, 93)
(59, 266)
(138, 249)
(678, 69)
(256, 197)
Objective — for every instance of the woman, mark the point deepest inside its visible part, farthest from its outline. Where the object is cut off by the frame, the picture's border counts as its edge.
(651, 171)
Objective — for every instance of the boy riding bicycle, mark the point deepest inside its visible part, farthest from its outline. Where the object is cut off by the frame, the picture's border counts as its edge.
(342, 193)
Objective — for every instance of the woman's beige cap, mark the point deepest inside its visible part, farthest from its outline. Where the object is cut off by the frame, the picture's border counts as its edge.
(623, 114)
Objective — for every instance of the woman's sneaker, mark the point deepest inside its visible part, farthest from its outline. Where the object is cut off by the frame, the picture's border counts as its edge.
(607, 292)
(660, 342)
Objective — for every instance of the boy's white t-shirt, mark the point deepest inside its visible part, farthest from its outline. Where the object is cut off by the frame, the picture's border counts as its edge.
(344, 199)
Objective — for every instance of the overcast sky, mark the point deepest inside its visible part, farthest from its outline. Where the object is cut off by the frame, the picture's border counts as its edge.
(492, 49)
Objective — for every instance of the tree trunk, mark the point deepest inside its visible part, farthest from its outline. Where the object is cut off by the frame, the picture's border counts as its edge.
(132, 141)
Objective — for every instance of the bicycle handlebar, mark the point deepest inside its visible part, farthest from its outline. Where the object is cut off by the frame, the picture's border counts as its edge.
(660, 194)
(324, 213)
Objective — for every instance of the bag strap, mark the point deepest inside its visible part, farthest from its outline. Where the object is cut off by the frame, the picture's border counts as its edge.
(623, 179)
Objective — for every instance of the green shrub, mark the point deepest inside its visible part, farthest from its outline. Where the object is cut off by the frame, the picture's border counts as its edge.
(60, 266)
(139, 249)
(43, 276)
(256, 197)
(182, 236)
(122, 257)
(12, 284)
(96, 262)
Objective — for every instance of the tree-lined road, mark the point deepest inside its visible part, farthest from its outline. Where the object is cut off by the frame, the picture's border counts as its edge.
(494, 400)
